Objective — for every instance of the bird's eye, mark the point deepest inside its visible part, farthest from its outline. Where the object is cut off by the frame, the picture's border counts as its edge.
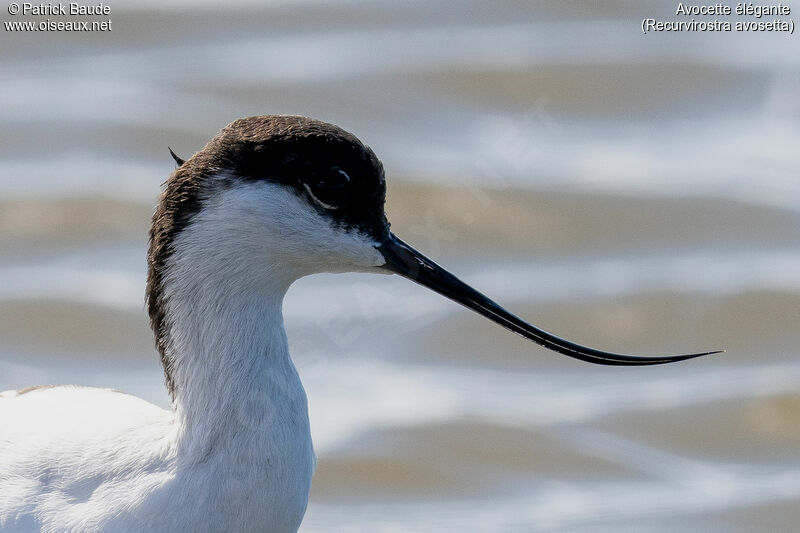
(336, 179)
(330, 189)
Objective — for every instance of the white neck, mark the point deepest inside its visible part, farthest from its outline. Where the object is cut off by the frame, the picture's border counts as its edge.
(241, 410)
(230, 364)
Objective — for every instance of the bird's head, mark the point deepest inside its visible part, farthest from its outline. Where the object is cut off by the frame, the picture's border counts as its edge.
(273, 198)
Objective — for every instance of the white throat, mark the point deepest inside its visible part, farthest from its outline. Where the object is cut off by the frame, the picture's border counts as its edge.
(239, 403)
(223, 289)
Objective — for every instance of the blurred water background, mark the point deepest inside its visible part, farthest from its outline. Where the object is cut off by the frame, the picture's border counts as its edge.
(634, 193)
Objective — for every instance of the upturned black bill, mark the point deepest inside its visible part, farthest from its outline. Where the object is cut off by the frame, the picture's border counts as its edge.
(409, 263)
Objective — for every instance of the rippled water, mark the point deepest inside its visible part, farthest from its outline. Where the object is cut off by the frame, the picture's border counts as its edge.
(635, 193)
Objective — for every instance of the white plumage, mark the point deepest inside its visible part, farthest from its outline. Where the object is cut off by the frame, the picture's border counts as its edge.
(269, 200)
(235, 454)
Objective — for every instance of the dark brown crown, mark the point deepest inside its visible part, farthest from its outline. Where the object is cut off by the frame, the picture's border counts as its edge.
(341, 177)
